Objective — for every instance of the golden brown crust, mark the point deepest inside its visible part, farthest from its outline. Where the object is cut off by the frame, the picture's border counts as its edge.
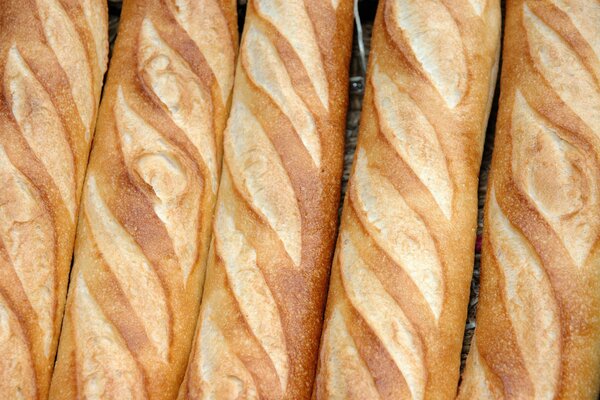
(275, 223)
(144, 227)
(53, 56)
(538, 325)
(400, 281)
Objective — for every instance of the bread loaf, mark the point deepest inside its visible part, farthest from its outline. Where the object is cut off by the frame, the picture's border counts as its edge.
(144, 229)
(53, 56)
(275, 221)
(400, 280)
(538, 317)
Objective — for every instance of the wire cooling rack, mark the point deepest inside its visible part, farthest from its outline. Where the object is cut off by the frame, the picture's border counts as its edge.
(364, 11)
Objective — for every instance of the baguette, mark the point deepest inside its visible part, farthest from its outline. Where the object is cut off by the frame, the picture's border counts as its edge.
(260, 319)
(53, 55)
(400, 281)
(144, 229)
(538, 316)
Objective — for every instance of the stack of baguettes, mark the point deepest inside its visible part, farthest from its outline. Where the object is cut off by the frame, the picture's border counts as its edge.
(53, 57)
(538, 318)
(144, 227)
(400, 280)
(275, 222)
(401, 274)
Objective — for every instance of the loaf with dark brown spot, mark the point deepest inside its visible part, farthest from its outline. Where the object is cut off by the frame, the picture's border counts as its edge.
(275, 223)
(400, 280)
(144, 227)
(538, 317)
(53, 55)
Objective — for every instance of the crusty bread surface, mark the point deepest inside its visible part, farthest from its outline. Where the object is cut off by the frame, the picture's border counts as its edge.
(53, 55)
(149, 194)
(400, 280)
(276, 214)
(538, 317)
